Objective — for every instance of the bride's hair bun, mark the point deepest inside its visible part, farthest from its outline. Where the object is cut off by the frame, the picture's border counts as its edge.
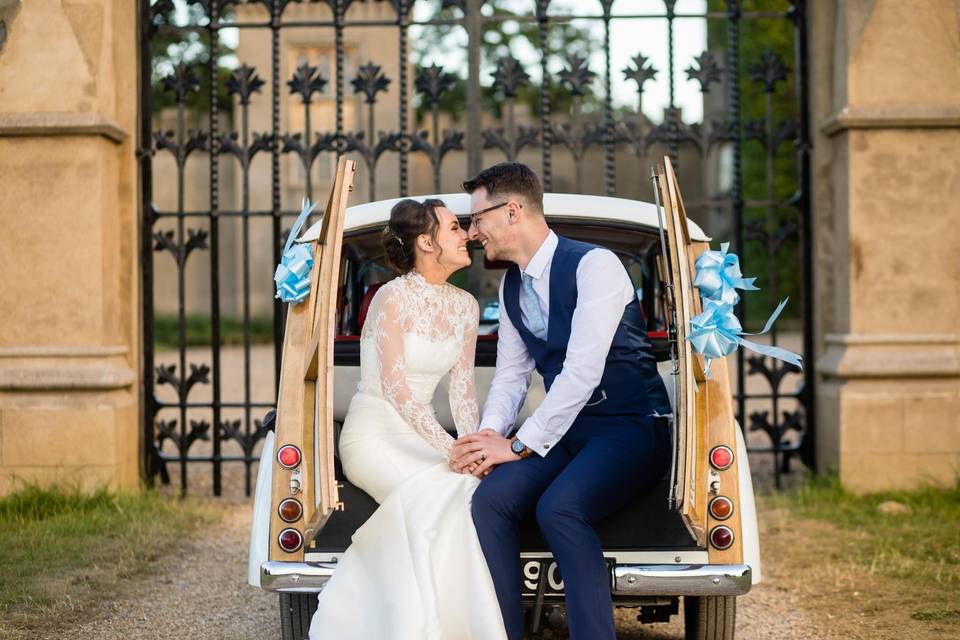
(408, 219)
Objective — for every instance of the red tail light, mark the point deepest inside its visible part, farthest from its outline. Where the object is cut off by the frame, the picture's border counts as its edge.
(290, 510)
(288, 456)
(721, 537)
(721, 508)
(290, 540)
(721, 457)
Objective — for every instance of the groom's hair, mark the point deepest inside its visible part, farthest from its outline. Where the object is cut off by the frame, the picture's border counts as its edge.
(509, 178)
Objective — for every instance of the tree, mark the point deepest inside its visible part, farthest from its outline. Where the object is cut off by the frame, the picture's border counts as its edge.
(169, 48)
(767, 71)
(502, 38)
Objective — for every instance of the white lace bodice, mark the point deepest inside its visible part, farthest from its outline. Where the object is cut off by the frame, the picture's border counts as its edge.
(414, 334)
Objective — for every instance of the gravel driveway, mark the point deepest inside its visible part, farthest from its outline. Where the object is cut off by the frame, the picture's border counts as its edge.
(202, 593)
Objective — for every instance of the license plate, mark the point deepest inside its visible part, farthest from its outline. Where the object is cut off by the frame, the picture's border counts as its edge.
(532, 571)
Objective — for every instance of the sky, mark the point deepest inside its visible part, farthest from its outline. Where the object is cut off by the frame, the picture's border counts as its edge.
(629, 37)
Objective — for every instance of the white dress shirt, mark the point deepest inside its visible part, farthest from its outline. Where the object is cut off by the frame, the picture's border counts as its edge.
(603, 290)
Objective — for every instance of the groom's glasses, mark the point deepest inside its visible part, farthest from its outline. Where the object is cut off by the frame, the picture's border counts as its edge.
(475, 216)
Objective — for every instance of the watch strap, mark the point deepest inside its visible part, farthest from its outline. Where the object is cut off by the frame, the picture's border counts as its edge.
(526, 450)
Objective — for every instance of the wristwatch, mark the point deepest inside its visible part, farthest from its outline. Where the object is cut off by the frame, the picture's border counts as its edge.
(519, 448)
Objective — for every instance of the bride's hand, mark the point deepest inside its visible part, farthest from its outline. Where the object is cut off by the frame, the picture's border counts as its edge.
(460, 467)
(468, 470)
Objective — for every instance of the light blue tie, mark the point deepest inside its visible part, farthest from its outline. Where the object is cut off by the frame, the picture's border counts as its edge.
(532, 306)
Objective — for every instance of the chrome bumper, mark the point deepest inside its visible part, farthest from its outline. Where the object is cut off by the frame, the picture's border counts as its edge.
(628, 579)
(681, 579)
(295, 577)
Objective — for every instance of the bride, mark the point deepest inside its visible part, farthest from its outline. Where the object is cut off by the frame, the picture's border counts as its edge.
(415, 570)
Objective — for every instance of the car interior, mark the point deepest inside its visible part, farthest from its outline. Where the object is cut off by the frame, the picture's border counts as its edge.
(646, 523)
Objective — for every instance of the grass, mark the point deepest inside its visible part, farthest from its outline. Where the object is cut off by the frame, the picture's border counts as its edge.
(936, 614)
(62, 548)
(923, 545)
(199, 330)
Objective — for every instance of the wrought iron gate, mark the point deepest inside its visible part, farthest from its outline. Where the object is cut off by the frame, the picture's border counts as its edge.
(749, 152)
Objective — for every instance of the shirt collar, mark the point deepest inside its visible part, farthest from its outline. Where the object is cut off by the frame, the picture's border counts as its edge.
(542, 257)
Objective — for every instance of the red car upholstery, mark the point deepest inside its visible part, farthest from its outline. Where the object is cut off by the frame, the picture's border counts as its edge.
(365, 304)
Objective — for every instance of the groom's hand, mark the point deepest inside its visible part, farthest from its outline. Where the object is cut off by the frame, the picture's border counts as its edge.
(485, 449)
(463, 455)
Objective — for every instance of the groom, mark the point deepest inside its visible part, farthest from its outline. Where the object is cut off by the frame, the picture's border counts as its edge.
(568, 310)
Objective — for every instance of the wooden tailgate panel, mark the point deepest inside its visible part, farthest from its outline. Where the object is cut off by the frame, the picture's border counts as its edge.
(318, 368)
(691, 405)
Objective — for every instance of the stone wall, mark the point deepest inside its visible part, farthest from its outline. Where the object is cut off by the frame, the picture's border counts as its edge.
(69, 310)
(886, 173)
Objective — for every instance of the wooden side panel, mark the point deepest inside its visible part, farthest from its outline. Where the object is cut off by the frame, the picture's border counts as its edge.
(289, 417)
(720, 429)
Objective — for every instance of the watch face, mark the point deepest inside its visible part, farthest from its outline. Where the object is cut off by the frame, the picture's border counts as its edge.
(517, 447)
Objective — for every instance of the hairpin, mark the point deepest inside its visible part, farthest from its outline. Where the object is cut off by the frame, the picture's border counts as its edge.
(395, 235)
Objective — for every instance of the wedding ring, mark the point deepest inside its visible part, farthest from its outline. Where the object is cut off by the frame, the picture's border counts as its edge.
(483, 456)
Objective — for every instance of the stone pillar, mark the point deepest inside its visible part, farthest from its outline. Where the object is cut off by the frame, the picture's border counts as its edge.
(69, 308)
(886, 174)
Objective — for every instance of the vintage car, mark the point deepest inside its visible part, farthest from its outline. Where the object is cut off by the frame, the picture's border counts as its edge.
(692, 537)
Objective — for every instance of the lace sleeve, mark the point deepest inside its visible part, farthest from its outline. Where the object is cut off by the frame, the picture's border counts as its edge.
(388, 333)
(463, 390)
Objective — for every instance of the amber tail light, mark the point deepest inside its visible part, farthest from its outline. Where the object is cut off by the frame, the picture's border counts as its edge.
(290, 540)
(721, 508)
(290, 510)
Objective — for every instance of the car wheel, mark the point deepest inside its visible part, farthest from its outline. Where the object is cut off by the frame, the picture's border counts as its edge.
(296, 611)
(709, 617)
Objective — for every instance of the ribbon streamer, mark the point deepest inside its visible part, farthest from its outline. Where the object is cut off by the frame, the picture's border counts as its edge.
(293, 273)
(717, 332)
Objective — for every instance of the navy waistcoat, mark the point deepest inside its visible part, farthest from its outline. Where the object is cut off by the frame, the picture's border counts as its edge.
(631, 384)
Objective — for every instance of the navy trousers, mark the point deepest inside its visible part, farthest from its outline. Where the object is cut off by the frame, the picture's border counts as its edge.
(599, 465)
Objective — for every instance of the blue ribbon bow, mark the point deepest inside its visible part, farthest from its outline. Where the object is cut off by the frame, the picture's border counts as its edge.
(716, 332)
(719, 277)
(293, 273)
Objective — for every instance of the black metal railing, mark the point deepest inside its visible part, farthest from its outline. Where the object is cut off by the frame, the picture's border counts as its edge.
(744, 167)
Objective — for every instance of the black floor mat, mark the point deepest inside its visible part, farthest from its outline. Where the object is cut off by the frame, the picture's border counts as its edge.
(644, 524)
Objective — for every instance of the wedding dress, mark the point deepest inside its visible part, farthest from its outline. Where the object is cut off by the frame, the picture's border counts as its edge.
(414, 570)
